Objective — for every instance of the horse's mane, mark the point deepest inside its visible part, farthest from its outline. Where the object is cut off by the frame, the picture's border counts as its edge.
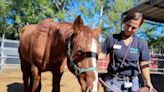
(45, 25)
(84, 37)
(62, 31)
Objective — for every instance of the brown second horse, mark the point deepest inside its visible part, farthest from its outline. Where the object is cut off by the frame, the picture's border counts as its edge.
(49, 46)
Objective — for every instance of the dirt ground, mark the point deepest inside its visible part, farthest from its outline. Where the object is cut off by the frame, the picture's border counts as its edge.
(11, 81)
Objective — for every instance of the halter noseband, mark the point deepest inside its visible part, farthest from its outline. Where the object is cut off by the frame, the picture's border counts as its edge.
(78, 70)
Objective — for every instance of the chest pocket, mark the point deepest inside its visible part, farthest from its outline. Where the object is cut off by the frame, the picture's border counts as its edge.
(134, 54)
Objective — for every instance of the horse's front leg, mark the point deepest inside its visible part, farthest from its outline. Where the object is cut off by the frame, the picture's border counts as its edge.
(57, 72)
(36, 79)
(56, 82)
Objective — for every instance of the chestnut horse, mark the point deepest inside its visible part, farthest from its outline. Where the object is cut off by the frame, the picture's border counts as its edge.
(49, 46)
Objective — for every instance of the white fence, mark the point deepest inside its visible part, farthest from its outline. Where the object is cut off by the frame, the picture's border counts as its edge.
(8, 52)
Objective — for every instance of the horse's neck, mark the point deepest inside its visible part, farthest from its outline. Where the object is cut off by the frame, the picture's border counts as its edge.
(66, 32)
(62, 35)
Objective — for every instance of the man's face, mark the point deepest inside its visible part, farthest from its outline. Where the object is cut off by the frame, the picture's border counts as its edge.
(131, 26)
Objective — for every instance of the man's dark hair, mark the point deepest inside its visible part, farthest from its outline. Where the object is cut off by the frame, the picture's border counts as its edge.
(133, 16)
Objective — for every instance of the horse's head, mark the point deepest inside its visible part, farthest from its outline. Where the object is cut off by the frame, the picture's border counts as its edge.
(83, 48)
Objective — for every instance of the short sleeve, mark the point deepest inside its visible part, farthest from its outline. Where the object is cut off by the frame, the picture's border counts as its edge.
(106, 44)
(144, 51)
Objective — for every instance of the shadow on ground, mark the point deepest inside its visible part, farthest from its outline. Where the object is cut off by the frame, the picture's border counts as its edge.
(15, 87)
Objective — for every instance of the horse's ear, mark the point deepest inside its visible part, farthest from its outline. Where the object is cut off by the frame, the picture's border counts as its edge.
(78, 23)
(97, 31)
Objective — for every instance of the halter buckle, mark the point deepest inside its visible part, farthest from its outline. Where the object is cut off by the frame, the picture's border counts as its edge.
(77, 72)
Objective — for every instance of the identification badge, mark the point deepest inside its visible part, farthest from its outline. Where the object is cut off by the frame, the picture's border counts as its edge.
(117, 46)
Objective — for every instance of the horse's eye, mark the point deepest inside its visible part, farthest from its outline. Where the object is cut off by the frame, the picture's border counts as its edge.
(79, 52)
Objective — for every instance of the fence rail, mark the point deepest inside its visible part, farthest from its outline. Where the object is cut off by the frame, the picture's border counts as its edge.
(8, 51)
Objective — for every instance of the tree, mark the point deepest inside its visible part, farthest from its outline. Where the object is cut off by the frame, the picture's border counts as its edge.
(28, 12)
(110, 12)
(106, 13)
(113, 17)
(4, 6)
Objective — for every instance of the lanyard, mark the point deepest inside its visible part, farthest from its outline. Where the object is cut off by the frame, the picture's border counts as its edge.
(124, 56)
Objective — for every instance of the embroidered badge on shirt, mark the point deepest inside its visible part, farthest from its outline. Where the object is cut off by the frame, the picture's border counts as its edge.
(133, 50)
(117, 46)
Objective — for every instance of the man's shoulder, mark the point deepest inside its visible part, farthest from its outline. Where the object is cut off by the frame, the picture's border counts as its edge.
(138, 38)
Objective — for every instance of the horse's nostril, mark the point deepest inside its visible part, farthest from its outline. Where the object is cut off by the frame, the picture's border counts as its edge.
(89, 89)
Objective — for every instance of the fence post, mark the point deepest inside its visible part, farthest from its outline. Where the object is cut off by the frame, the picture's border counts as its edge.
(2, 53)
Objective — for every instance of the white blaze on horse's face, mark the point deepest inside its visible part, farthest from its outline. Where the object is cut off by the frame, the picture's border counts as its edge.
(94, 50)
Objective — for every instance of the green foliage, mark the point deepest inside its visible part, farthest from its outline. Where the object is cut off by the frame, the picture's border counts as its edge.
(28, 12)
(111, 14)
(99, 4)
(116, 10)
(4, 6)
(32, 11)
(157, 43)
(83, 9)
(60, 15)
(4, 9)
(17, 19)
(154, 42)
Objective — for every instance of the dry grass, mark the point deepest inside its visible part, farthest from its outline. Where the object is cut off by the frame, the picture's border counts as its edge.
(11, 81)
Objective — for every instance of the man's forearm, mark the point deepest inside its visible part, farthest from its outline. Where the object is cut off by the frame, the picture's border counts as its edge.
(145, 71)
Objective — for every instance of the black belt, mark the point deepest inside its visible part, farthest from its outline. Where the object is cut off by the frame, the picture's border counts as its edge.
(121, 76)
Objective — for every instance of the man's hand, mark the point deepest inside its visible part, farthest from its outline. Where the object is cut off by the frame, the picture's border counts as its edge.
(149, 84)
(101, 56)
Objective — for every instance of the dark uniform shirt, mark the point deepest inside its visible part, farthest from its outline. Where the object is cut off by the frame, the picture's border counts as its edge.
(138, 51)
